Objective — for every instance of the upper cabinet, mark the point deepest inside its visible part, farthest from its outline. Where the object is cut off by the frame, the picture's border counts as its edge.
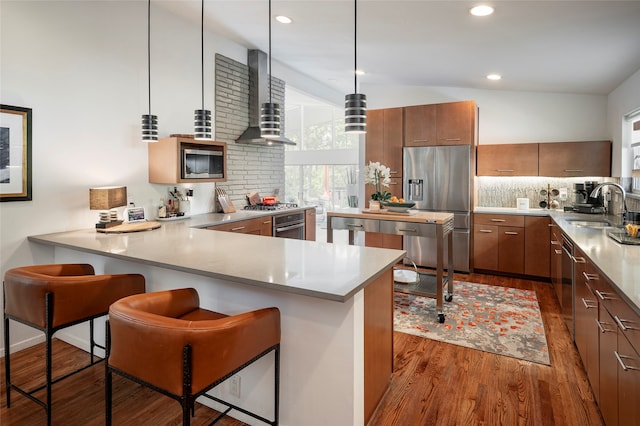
(567, 159)
(182, 159)
(452, 123)
(384, 139)
(553, 159)
(508, 160)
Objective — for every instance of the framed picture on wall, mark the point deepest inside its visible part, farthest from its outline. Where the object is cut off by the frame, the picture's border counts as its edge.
(15, 153)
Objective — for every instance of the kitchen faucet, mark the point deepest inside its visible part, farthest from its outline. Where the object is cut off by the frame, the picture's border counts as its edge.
(596, 192)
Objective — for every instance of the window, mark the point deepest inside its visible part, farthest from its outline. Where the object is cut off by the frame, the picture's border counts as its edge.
(321, 169)
(632, 127)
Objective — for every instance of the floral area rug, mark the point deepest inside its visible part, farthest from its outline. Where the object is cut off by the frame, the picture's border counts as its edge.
(501, 320)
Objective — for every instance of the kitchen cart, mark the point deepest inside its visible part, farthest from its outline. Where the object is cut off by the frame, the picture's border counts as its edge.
(411, 224)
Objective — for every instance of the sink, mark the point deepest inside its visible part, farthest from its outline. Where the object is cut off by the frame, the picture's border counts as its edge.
(581, 223)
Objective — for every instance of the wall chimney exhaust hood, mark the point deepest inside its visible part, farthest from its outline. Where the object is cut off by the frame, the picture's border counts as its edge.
(258, 94)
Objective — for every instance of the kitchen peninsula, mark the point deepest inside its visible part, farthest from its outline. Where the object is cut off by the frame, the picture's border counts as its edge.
(335, 302)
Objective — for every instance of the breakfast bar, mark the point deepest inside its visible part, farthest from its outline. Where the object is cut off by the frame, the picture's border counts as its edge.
(411, 224)
(335, 303)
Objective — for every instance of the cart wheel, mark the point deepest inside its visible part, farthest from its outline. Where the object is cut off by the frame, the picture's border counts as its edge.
(448, 297)
(441, 318)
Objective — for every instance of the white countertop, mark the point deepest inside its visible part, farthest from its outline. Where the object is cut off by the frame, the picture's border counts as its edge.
(328, 271)
(513, 210)
(620, 263)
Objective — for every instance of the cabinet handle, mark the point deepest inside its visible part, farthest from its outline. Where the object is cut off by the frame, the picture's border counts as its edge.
(453, 139)
(587, 305)
(238, 228)
(590, 277)
(498, 220)
(558, 251)
(604, 296)
(392, 172)
(266, 221)
(504, 170)
(622, 364)
(421, 140)
(353, 225)
(621, 324)
(510, 233)
(602, 329)
(555, 243)
(579, 260)
(573, 170)
(407, 230)
(393, 183)
(487, 231)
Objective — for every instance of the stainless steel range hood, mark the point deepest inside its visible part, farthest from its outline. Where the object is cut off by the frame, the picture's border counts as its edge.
(258, 94)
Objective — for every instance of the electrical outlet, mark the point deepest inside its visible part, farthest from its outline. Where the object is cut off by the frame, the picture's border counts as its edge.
(234, 386)
(563, 194)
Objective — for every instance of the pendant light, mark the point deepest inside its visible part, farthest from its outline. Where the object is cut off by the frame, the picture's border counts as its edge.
(202, 117)
(355, 104)
(270, 111)
(149, 121)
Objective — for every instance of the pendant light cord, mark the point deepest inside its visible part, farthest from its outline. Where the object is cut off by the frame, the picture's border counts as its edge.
(202, 50)
(149, 51)
(355, 46)
(270, 52)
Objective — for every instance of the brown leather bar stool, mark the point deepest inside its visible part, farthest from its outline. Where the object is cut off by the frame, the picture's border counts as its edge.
(52, 297)
(165, 341)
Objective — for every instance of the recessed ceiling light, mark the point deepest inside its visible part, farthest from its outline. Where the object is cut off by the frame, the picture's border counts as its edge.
(482, 10)
(359, 72)
(283, 19)
(494, 77)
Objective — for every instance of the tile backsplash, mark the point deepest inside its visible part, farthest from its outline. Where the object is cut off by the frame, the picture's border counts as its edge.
(503, 191)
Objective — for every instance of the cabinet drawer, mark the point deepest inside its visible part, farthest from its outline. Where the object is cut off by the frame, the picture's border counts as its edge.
(625, 317)
(408, 229)
(498, 219)
(353, 224)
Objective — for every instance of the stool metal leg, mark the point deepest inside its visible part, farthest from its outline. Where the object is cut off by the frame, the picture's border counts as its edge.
(108, 376)
(49, 336)
(276, 418)
(7, 367)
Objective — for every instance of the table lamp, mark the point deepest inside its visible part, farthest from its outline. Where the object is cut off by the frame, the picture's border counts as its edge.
(105, 199)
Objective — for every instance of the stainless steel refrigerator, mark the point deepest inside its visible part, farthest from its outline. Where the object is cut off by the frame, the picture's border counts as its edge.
(438, 178)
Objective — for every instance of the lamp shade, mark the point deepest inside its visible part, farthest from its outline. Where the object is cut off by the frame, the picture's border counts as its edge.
(107, 197)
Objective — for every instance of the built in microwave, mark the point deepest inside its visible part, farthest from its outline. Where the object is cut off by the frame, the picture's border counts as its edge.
(202, 163)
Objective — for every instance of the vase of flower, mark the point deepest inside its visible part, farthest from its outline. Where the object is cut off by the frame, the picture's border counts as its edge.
(378, 175)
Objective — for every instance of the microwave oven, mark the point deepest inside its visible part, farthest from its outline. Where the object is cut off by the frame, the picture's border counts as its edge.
(202, 163)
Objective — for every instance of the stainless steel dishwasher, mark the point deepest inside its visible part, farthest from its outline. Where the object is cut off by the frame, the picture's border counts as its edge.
(567, 284)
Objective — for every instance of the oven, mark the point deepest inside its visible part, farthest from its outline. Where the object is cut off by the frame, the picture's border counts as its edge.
(289, 225)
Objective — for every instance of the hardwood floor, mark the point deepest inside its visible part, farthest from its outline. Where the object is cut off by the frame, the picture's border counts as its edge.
(434, 384)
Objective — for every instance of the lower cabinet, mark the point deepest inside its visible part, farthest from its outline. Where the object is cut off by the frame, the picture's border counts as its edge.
(259, 226)
(610, 351)
(310, 224)
(380, 240)
(586, 316)
(555, 260)
(498, 243)
(537, 233)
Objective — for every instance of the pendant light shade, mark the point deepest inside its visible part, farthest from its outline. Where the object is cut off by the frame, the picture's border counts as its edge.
(355, 104)
(270, 111)
(149, 121)
(202, 116)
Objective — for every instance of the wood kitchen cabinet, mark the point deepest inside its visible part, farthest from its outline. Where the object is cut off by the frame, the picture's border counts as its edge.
(507, 160)
(310, 224)
(499, 243)
(452, 123)
(165, 159)
(566, 159)
(384, 144)
(537, 260)
(258, 226)
(586, 316)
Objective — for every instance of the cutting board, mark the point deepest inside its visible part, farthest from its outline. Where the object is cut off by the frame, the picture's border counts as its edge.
(225, 202)
(130, 227)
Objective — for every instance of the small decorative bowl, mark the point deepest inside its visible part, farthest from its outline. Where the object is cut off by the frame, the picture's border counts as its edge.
(398, 205)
